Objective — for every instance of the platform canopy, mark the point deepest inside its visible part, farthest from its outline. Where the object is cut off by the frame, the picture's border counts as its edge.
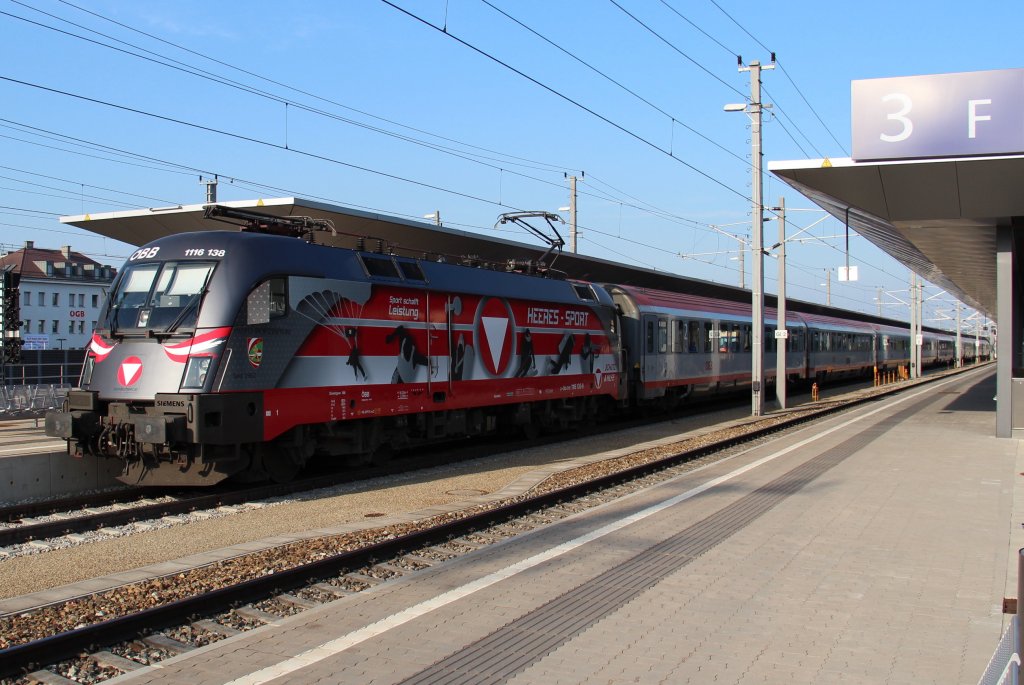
(938, 217)
(359, 229)
(935, 172)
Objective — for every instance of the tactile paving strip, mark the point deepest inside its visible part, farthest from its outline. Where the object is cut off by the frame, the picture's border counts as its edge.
(517, 645)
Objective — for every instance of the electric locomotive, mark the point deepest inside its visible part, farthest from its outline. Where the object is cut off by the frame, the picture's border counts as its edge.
(242, 353)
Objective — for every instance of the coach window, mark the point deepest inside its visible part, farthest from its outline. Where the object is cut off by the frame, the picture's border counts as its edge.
(746, 338)
(662, 336)
(693, 336)
(650, 337)
(679, 340)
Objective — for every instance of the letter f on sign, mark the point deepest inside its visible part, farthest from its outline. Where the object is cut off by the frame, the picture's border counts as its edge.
(973, 117)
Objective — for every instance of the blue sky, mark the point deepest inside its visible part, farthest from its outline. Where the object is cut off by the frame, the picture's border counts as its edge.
(363, 105)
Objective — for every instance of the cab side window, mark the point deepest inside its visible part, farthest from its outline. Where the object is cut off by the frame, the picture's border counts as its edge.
(268, 300)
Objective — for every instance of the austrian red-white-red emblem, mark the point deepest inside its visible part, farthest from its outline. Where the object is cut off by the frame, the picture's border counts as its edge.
(130, 371)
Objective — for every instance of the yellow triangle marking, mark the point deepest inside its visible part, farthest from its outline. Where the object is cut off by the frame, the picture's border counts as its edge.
(259, 203)
(88, 218)
(826, 163)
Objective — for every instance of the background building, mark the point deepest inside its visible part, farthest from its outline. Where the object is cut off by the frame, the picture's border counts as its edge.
(61, 292)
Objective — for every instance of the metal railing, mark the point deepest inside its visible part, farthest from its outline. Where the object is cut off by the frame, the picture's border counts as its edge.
(29, 400)
(57, 373)
(1004, 667)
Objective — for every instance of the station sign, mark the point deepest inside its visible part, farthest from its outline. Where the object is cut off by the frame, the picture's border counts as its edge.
(939, 115)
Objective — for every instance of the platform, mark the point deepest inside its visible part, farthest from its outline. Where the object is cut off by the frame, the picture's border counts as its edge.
(35, 466)
(872, 547)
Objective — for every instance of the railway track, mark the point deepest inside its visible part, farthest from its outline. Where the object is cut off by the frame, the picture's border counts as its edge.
(210, 603)
(53, 518)
(40, 521)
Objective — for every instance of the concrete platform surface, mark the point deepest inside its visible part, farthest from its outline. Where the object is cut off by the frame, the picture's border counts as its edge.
(869, 548)
(35, 466)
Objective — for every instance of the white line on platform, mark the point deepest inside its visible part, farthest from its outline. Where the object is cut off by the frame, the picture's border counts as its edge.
(33, 449)
(329, 649)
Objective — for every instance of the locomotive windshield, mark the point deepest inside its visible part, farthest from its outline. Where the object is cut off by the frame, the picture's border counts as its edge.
(162, 297)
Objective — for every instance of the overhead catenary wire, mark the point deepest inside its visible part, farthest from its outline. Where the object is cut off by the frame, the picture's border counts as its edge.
(637, 206)
(694, 25)
(202, 73)
(680, 52)
(181, 169)
(248, 89)
(219, 80)
(637, 243)
(81, 184)
(251, 139)
(784, 71)
(333, 102)
(568, 99)
(672, 117)
(775, 102)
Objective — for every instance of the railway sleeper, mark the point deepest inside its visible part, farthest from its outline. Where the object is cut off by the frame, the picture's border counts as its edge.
(297, 602)
(253, 614)
(216, 628)
(48, 678)
(110, 660)
(167, 644)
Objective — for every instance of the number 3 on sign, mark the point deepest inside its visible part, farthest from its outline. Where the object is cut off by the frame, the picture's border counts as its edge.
(900, 116)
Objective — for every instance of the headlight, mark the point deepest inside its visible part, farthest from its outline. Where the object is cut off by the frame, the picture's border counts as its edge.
(195, 372)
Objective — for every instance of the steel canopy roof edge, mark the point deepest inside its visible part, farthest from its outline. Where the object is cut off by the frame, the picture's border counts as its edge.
(938, 216)
(416, 238)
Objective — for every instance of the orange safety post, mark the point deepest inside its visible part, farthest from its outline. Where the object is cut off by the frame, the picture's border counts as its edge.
(814, 393)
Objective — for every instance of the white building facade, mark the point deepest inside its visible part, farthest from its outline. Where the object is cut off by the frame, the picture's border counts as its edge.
(61, 293)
